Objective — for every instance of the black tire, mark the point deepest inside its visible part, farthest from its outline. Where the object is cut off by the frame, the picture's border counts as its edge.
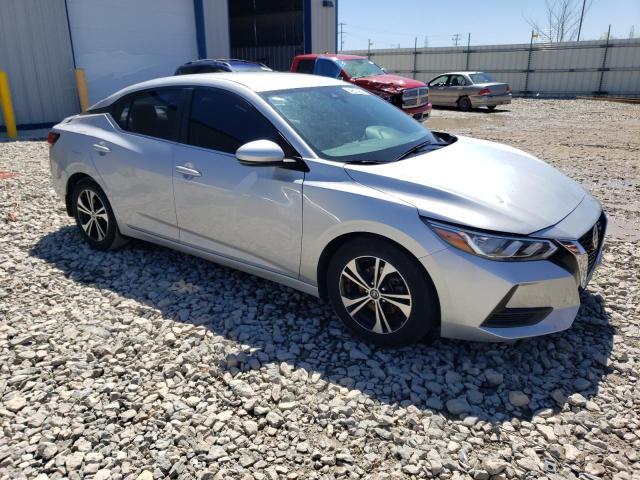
(405, 276)
(491, 107)
(102, 232)
(464, 104)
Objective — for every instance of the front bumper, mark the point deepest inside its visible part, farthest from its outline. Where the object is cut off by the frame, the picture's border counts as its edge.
(489, 300)
(490, 100)
(419, 113)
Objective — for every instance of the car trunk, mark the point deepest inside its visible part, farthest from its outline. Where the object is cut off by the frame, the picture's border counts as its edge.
(495, 88)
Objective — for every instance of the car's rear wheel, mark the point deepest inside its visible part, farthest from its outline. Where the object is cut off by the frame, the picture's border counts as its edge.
(381, 293)
(94, 216)
(464, 104)
(491, 107)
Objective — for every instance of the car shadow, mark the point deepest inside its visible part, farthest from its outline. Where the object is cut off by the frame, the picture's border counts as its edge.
(498, 109)
(275, 324)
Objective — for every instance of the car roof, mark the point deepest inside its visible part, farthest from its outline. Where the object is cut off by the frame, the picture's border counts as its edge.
(337, 56)
(255, 81)
(228, 61)
(459, 73)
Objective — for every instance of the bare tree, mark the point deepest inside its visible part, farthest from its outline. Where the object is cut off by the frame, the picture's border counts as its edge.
(562, 20)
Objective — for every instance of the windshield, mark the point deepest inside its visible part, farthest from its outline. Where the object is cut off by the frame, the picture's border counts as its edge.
(346, 123)
(360, 68)
(481, 78)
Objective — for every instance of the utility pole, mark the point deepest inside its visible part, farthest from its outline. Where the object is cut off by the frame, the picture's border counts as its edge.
(456, 39)
(342, 24)
(584, 2)
(369, 45)
(468, 49)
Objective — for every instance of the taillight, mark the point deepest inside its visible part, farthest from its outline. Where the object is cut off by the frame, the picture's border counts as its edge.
(508, 88)
(484, 91)
(52, 138)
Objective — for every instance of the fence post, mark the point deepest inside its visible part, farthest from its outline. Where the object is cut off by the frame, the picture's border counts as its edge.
(83, 91)
(526, 78)
(468, 46)
(604, 63)
(415, 57)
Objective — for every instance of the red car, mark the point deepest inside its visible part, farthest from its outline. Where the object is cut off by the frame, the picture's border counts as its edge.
(410, 95)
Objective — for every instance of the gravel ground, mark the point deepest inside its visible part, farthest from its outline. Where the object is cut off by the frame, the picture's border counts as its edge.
(146, 363)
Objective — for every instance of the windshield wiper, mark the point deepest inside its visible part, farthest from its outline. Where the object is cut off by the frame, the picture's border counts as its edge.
(416, 149)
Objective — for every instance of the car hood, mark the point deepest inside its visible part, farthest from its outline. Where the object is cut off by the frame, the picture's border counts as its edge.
(477, 183)
(388, 82)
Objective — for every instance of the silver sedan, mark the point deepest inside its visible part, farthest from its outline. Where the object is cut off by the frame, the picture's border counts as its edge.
(321, 186)
(467, 90)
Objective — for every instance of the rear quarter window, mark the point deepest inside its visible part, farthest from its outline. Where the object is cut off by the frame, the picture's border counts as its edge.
(305, 66)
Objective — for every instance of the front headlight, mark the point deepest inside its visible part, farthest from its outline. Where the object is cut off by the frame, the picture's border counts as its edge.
(493, 246)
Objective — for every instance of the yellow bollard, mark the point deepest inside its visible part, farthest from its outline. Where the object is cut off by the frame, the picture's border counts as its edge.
(83, 92)
(7, 106)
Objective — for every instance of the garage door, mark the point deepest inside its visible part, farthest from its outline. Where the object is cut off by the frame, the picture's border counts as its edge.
(120, 42)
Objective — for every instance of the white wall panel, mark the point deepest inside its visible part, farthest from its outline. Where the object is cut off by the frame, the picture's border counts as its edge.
(323, 27)
(121, 42)
(216, 23)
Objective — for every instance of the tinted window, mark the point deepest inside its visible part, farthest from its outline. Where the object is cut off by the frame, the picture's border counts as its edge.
(154, 113)
(120, 111)
(223, 121)
(305, 66)
(439, 81)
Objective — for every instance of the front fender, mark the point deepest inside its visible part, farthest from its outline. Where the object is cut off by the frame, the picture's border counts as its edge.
(336, 207)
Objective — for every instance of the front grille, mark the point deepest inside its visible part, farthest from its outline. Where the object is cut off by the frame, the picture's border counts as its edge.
(587, 240)
(415, 97)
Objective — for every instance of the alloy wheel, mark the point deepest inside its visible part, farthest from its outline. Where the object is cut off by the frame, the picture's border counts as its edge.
(92, 215)
(375, 294)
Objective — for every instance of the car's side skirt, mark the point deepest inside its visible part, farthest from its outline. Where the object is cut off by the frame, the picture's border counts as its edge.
(223, 260)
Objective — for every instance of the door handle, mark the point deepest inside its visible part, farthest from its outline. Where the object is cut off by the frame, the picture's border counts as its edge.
(188, 171)
(100, 147)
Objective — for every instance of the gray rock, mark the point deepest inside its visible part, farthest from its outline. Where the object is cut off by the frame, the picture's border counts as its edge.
(456, 406)
(518, 398)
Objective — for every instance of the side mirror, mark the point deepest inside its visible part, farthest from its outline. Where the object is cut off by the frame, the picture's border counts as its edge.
(383, 69)
(260, 153)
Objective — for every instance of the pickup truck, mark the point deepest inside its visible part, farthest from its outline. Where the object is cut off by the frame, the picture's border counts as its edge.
(410, 95)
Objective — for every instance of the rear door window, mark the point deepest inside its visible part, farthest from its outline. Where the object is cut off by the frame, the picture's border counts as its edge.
(457, 81)
(154, 113)
(306, 66)
(223, 121)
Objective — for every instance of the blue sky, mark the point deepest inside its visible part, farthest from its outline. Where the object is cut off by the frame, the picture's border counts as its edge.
(392, 22)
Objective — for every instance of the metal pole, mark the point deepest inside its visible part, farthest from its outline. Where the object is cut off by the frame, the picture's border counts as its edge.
(526, 78)
(369, 43)
(581, 17)
(604, 62)
(468, 44)
(7, 106)
(415, 57)
(342, 24)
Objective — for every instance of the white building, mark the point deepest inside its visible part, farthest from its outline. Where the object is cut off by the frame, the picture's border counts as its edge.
(120, 42)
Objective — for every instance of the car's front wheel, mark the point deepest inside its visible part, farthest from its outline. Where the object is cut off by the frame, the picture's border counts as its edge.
(94, 216)
(381, 293)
